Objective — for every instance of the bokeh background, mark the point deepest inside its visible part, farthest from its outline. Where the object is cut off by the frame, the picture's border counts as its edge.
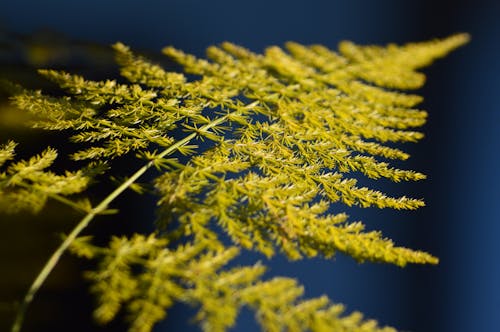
(460, 224)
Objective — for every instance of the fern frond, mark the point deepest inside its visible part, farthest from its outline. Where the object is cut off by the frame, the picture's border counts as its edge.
(139, 70)
(7, 152)
(394, 66)
(26, 185)
(142, 277)
(286, 135)
(304, 119)
(321, 120)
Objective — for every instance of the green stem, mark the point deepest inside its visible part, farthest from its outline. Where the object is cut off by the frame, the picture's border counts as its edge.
(52, 262)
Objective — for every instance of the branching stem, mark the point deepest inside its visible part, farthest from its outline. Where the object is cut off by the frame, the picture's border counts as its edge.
(103, 205)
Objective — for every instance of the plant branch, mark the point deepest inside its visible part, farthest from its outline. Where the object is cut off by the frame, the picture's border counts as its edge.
(54, 259)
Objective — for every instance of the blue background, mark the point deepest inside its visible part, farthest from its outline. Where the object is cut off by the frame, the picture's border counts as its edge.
(461, 222)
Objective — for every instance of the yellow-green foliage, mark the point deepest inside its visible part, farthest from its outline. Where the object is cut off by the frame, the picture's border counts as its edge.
(26, 184)
(193, 274)
(286, 135)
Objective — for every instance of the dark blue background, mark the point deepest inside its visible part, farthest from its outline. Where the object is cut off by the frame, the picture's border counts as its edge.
(461, 223)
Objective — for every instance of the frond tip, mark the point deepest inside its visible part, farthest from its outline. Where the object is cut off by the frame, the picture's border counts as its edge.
(394, 66)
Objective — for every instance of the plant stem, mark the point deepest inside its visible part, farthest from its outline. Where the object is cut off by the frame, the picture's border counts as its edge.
(54, 259)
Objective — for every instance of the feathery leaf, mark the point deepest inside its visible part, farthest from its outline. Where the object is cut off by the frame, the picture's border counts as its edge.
(262, 147)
